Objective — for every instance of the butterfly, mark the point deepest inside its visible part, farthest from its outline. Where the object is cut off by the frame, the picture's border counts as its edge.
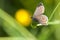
(39, 14)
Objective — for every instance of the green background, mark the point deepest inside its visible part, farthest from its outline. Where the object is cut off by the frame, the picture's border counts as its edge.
(10, 28)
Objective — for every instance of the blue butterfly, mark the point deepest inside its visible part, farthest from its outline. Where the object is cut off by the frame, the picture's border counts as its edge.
(38, 15)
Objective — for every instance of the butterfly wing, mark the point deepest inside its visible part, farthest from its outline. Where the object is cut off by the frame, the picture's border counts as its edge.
(43, 19)
(39, 10)
(38, 15)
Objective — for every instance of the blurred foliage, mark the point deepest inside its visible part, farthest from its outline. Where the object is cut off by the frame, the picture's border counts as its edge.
(13, 28)
(9, 26)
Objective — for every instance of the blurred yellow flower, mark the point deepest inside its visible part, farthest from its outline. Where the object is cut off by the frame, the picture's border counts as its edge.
(23, 17)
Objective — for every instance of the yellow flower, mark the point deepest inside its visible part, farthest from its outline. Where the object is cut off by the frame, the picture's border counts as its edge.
(23, 17)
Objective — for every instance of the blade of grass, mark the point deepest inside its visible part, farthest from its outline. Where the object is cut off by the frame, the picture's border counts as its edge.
(53, 12)
(45, 33)
(11, 30)
(12, 38)
(57, 27)
(15, 25)
(51, 23)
